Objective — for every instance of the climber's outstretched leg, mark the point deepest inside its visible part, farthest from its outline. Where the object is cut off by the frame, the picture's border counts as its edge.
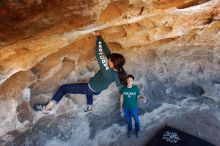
(78, 88)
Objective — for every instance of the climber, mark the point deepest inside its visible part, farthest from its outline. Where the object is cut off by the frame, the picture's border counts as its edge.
(129, 104)
(110, 70)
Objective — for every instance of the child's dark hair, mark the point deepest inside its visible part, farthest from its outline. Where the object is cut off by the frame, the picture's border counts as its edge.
(118, 61)
(130, 76)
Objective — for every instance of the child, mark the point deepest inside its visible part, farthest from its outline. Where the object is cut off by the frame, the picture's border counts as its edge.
(129, 103)
(110, 71)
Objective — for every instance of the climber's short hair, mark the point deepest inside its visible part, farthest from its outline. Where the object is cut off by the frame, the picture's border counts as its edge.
(130, 76)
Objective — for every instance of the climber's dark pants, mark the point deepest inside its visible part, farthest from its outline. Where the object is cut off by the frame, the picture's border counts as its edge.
(78, 88)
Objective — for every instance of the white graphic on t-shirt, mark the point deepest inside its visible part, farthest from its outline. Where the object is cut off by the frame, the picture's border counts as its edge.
(104, 62)
(129, 94)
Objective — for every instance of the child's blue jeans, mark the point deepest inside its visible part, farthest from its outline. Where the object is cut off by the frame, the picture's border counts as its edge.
(78, 88)
(132, 113)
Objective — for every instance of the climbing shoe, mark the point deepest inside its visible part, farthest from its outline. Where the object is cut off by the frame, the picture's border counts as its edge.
(39, 106)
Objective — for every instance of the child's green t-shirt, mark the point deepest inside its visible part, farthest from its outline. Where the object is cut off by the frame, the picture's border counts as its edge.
(130, 96)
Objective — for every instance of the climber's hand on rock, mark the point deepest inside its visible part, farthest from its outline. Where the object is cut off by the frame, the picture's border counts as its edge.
(97, 33)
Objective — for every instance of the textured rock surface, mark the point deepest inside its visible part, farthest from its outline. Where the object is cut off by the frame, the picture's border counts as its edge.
(171, 46)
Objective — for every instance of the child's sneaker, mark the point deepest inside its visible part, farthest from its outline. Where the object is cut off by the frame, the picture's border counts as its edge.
(129, 134)
(88, 108)
(137, 134)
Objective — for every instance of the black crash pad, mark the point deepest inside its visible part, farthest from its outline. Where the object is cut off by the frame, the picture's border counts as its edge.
(169, 136)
